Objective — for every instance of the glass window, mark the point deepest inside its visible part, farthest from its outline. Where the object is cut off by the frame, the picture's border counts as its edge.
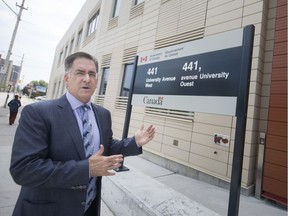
(116, 8)
(92, 23)
(128, 71)
(66, 50)
(104, 81)
(60, 57)
(71, 46)
(136, 2)
(79, 37)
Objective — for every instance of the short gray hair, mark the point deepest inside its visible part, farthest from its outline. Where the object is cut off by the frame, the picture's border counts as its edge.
(71, 58)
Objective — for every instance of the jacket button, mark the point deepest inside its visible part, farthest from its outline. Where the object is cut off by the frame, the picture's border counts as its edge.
(83, 203)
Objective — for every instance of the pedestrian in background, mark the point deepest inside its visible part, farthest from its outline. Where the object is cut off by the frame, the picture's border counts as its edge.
(51, 157)
(14, 105)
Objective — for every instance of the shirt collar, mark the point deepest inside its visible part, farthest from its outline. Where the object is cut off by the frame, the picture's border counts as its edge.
(74, 102)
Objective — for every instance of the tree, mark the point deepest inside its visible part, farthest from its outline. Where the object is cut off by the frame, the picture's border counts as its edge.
(39, 83)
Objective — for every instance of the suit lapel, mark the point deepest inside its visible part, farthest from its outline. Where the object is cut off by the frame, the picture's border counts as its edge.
(71, 125)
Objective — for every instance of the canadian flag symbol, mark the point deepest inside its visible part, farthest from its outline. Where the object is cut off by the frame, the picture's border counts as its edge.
(143, 59)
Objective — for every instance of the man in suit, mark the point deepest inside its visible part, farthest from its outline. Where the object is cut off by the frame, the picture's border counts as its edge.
(48, 158)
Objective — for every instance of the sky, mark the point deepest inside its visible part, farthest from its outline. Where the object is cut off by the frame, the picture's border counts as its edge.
(40, 30)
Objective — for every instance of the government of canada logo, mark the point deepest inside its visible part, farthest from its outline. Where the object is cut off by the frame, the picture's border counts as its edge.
(153, 101)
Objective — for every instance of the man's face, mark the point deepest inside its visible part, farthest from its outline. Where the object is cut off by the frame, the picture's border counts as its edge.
(81, 81)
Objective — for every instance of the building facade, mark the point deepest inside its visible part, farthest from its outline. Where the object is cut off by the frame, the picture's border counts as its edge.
(114, 31)
(9, 78)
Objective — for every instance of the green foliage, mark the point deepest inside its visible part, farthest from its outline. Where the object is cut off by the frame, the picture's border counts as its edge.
(39, 83)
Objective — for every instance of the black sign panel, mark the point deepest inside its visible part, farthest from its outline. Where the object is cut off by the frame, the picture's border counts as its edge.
(209, 74)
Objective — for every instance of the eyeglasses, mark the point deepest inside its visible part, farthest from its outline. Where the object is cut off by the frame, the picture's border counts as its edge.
(82, 74)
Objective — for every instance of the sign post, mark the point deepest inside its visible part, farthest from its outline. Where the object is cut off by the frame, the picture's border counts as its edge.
(128, 113)
(241, 113)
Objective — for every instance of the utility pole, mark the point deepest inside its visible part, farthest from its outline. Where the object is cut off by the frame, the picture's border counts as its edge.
(6, 63)
(18, 78)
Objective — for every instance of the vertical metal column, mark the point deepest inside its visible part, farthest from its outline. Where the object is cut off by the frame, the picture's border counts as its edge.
(128, 112)
(241, 113)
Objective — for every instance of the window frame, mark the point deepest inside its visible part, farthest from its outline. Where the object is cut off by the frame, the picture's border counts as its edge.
(79, 37)
(92, 23)
(122, 90)
(136, 2)
(104, 80)
(116, 8)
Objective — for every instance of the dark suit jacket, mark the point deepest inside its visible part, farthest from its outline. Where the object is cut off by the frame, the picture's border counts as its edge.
(48, 159)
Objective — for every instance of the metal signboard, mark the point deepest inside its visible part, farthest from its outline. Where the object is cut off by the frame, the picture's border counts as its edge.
(200, 76)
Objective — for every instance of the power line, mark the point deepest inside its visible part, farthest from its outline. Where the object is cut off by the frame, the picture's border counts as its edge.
(10, 8)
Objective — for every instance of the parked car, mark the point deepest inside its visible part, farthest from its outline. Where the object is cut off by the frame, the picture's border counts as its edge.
(40, 98)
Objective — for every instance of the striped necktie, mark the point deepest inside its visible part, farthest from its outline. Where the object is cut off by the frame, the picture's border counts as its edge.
(89, 150)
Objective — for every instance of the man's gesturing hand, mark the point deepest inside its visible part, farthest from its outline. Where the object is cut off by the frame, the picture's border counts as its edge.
(144, 136)
(100, 165)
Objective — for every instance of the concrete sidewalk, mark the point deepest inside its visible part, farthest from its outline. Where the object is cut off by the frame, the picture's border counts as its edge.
(143, 176)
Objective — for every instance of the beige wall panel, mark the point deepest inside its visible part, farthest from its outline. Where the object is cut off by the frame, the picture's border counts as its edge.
(272, 3)
(257, 41)
(182, 125)
(155, 146)
(267, 67)
(254, 88)
(147, 36)
(251, 150)
(210, 129)
(212, 119)
(224, 17)
(257, 7)
(177, 133)
(227, 26)
(256, 52)
(268, 56)
(134, 125)
(145, 44)
(138, 109)
(263, 116)
(266, 79)
(253, 112)
(217, 7)
(181, 144)
(212, 153)
(266, 90)
(270, 34)
(208, 164)
(271, 23)
(252, 124)
(155, 120)
(254, 100)
(136, 116)
(150, 20)
(175, 153)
